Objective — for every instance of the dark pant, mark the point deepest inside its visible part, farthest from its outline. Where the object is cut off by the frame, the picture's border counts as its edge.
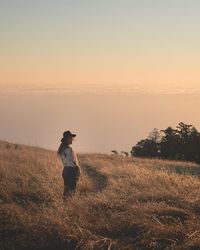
(69, 176)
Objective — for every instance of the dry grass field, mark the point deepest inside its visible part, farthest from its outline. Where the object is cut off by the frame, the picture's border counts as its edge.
(121, 202)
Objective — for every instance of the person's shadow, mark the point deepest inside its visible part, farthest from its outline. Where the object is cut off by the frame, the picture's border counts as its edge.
(100, 180)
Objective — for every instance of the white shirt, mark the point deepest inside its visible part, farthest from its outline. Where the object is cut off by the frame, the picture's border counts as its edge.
(69, 158)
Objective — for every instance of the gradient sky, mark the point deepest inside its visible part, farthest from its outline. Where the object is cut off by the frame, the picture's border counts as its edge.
(154, 43)
(108, 70)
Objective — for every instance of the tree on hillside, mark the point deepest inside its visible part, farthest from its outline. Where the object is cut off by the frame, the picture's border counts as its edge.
(169, 144)
(181, 143)
(125, 153)
(189, 139)
(148, 147)
(155, 135)
(114, 152)
(145, 148)
(195, 145)
(184, 132)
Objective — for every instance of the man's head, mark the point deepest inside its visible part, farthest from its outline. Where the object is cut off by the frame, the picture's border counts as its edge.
(68, 137)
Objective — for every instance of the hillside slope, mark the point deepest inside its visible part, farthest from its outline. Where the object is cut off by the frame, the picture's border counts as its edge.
(121, 202)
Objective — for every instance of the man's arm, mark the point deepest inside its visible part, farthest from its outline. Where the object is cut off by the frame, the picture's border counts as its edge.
(76, 160)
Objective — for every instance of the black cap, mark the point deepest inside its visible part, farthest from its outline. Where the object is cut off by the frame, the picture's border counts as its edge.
(66, 134)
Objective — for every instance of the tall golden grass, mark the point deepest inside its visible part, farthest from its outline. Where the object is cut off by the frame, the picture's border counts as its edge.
(121, 202)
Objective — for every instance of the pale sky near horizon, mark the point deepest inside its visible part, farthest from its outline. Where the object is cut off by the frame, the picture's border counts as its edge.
(108, 70)
(154, 43)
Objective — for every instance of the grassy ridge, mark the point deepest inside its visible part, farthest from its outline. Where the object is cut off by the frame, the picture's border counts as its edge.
(121, 203)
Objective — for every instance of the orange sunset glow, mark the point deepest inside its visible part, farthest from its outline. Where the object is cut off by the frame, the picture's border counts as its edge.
(116, 52)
